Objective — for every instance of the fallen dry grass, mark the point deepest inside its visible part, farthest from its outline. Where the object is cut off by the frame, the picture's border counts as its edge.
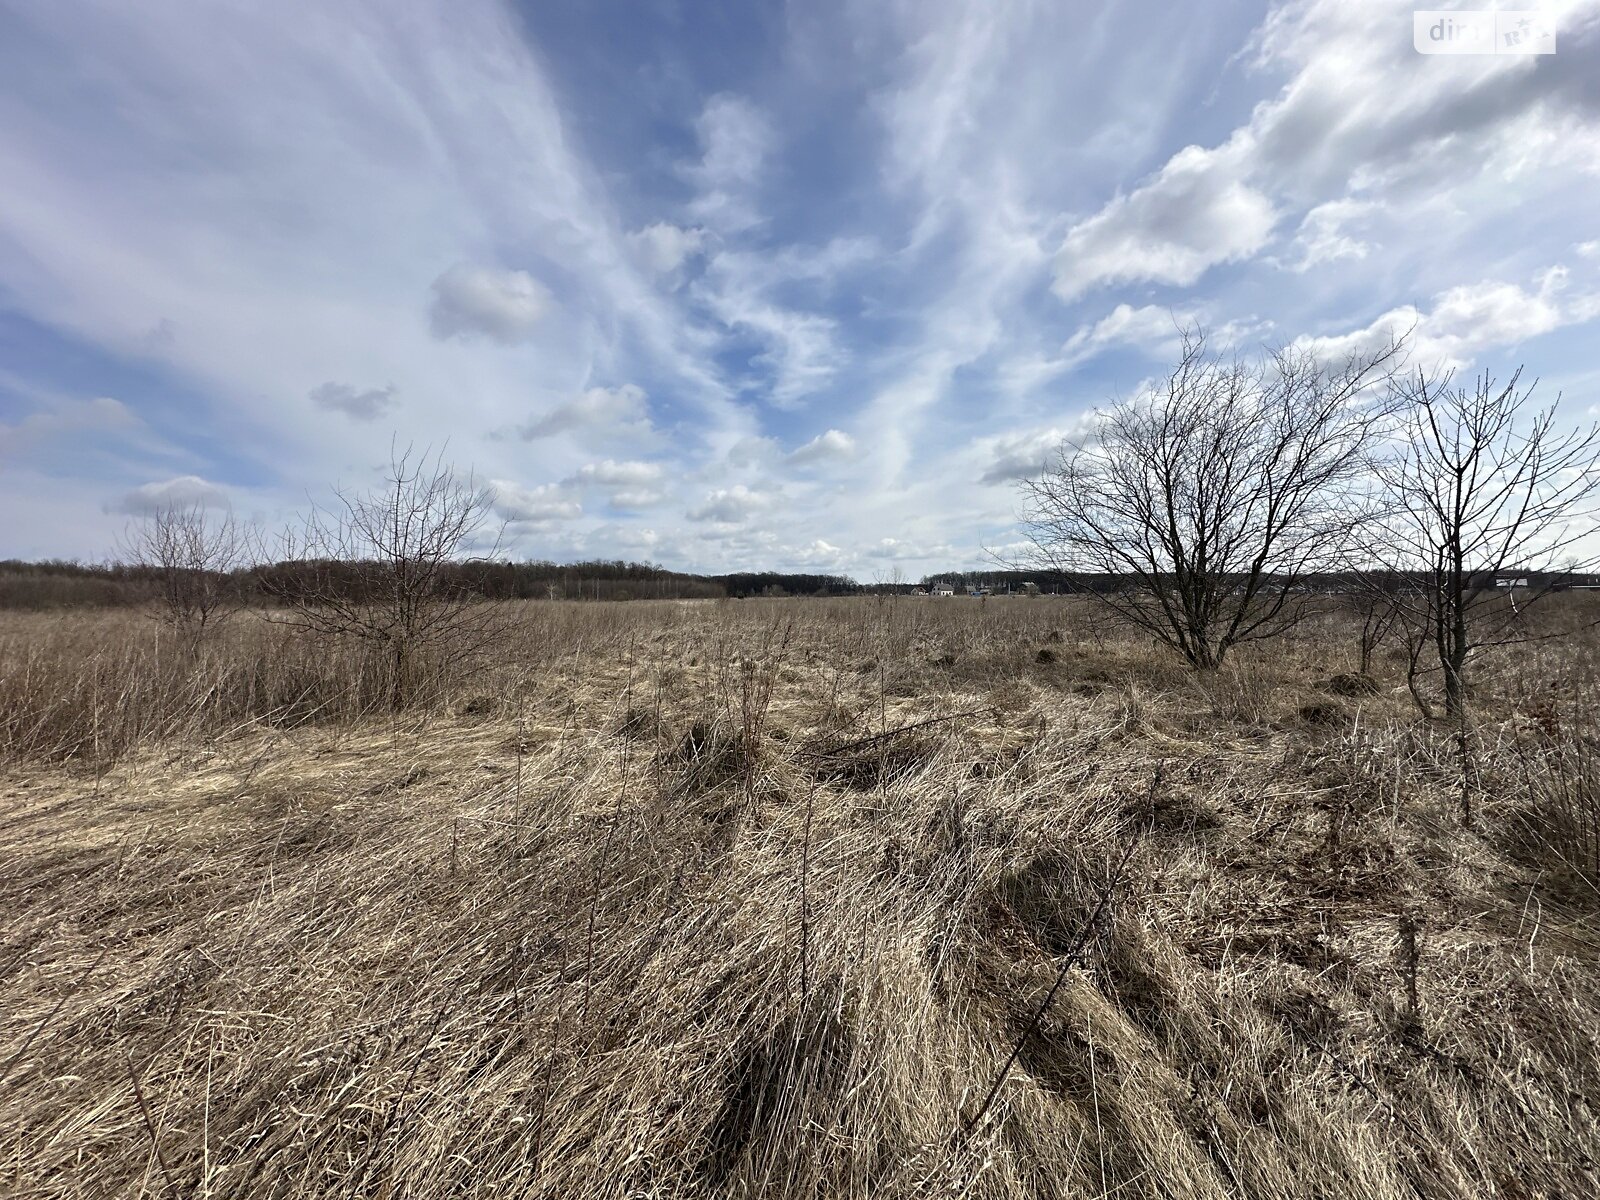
(723, 900)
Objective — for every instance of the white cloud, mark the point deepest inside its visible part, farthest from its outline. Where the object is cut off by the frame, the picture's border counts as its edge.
(616, 474)
(833, 445)
(1194, 214)
(752, 451)
(819, 553)
(802, 354)
(898, 549)
(1465, 321)
(1362, 120)
(618, 413)
(1323, 236)
(665, 247)
(1151, 328)
(366, 405)
(732, 506)
(186, 491)
(735, 139)
(503, 306)
(635, 499)
(1021, 456)
(632, 485)
(532, 505)
(65, 419)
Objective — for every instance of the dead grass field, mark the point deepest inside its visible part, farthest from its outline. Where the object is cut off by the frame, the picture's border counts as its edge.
(657, 902)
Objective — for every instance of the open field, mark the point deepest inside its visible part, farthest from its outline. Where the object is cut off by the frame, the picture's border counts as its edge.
(868, 897)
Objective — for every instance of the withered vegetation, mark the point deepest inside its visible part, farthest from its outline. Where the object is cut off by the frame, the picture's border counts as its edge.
(791, 898)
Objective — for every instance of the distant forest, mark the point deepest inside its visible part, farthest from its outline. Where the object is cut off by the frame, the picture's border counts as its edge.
(63, 584)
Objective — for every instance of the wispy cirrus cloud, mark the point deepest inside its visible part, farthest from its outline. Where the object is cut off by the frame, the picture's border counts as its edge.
(825, 309)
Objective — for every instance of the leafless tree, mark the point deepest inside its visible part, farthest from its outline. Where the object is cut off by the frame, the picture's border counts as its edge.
(386, 567)
(194, 554)
(1217, 493)
(1486, 490)
(1376, 602)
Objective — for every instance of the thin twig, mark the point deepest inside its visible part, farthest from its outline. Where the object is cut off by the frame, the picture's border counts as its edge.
(833, 751)
(150, 1128)
(1061, 977)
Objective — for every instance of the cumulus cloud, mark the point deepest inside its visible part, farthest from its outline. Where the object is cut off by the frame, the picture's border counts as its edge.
(635, 499)
(819, 553)
(1022, 456)
(899, 550)
(615, 474)
(603, 413)
(752, 451)
(186, 491)
(489, 302)
(1466, 320)
(363, 405)
(832, 446)
(1194, 214)
(1359, 123)
(732, 506)
(664, 247)
(538, 505)
(633, 485)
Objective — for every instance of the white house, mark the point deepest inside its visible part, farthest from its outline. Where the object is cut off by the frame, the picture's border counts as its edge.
(943, 589)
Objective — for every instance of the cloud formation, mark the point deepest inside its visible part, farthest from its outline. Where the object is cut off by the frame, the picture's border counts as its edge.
(362, 404)
(793, 314)
(1195, 214)
(487, 302)
(602, 414)
(183, 492)
(832, 446)
(522, 505)
(732, 506)
(1464, 322)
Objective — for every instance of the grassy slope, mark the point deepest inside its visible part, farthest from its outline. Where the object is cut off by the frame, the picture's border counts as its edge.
(629, 929)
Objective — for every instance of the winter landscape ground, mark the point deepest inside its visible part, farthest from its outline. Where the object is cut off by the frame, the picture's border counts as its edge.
(876, 896)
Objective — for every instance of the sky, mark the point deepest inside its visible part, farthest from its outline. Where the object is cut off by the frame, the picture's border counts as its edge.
(734, 285)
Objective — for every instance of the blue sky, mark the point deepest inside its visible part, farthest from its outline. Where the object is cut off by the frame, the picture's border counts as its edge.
(733, 285)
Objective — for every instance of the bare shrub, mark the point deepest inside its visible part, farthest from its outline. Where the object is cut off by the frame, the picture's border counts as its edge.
(383, 567)
(194, 554)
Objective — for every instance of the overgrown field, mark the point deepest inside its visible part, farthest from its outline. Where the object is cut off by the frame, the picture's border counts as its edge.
(791, 898)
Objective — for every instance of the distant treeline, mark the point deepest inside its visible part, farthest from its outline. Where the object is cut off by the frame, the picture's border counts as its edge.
(62, 584)
(1068, 582)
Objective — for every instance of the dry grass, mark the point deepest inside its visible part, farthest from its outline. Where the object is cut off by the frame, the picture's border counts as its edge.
(657, 904)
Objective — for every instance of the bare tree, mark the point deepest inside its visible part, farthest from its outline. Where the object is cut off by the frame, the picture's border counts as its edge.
(386, 567)
(1215, 495)
(194, 554)
(1487, 491)
(1376, 601)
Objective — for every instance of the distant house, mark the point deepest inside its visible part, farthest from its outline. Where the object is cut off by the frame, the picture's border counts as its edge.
(919, 591)
(1030, 588)
(977, 590)
(1512, 581)
(943, 589)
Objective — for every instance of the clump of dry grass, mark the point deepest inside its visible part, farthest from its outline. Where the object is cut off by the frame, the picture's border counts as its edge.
(721, 915)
